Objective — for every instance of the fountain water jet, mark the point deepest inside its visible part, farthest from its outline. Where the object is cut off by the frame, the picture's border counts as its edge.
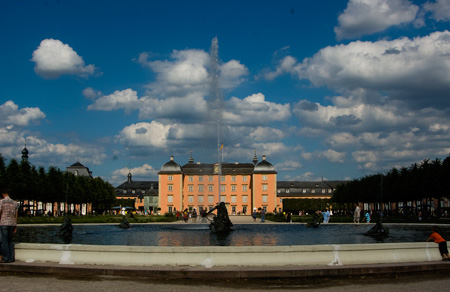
(221, 223)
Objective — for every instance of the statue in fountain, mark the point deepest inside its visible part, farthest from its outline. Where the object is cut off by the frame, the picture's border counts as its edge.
(124, 223)
(378, 231)
(221, 222)
(315, 220)
(65, 230)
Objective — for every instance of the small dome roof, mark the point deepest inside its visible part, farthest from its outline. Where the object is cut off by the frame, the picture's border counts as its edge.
(171, 166)
(264, 166)
(25, 150)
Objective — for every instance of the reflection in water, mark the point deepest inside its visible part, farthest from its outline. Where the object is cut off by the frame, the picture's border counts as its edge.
(200, 235)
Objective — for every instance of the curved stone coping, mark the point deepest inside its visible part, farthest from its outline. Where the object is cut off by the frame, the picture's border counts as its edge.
(223, 256)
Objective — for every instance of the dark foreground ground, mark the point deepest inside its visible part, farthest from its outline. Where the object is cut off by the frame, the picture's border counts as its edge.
(417, 281)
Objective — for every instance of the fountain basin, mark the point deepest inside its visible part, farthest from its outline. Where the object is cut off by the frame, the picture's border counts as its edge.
(200, 235)
(227, 256)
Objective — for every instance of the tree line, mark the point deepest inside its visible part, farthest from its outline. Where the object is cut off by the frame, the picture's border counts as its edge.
(25, 182)
(420, 183)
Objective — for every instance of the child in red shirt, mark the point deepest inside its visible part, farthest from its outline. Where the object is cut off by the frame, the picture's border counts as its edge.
(436, 237)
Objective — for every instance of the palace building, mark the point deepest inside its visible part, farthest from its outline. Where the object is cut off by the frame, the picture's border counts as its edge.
(242, 186)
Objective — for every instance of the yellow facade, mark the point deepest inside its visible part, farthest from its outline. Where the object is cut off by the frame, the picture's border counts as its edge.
(242, 186)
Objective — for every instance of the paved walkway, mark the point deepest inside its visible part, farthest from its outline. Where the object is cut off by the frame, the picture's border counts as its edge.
(411, 277)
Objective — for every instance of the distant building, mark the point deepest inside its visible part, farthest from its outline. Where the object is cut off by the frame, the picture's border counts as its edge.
(144, 194)
(79, 169)
(306, 189)
(25, 154)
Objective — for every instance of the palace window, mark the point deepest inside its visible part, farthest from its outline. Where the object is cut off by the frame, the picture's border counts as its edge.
(200, 199)
(223, 188)
(244, 178)
(191, 199)
(200, 188)
(170, 188)
(264, 177)
(190, 178)
(244, 188)
(210, 188)
(170, 199)
(233, 178)
(233, 188)
(264, 198)
(233, 199)
(200, 178)
(210, 199)
(244, 199)
(210, 178)
(190, 188)
(170, 178)
(264, 187)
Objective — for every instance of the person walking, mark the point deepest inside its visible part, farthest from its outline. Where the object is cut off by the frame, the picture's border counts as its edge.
(357, 214)
(254, 215)
(437, 237)
(263, 216)
(367, 216)
(8, 226)
(326, 216)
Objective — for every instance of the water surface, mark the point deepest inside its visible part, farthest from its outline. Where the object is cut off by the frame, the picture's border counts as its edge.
(244, 234)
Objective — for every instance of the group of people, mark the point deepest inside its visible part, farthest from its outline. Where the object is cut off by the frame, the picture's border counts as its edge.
(8, 226)
(357, 215)
(187, 215)
(262, 213)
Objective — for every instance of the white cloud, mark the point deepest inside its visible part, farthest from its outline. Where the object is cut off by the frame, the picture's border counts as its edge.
(152, 134)
(329, 154)
(191, 107)
(254, 110)
(440, 9)
(289, 165)
(307, 176)
(187, 72)
(342, 140)
(402, 69)
(332, 155)
(231, 74)
(357, 117)
(272, 149)
(287, 65)
(43, 152)
(144, 170)
(91, 93)
(125, 99)
(54, 58)
(12, 116)
(363, 17)
(267, 134)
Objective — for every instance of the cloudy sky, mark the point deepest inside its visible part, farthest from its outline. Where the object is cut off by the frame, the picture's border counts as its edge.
(325, 89)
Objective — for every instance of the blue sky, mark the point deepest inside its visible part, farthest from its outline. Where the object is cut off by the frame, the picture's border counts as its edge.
(325, 89)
